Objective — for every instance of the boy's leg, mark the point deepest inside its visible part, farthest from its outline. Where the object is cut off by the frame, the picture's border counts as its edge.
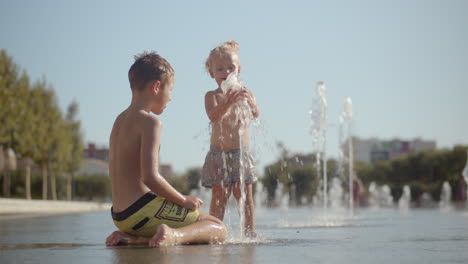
(207, 229)
(219, 198)
(249, 208)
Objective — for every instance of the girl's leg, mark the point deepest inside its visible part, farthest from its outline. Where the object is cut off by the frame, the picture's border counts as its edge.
(249, 208)
(219, 198)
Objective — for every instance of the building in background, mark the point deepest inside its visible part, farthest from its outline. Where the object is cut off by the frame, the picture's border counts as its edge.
(94, 167)
(371, 150)
(91, 152)
(96, 161)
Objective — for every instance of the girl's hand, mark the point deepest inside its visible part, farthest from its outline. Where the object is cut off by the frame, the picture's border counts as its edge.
(250, 97)
(234, 96)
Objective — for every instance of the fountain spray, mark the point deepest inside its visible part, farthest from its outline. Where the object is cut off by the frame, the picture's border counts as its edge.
(346, 118)
(465, 173)
(318, 114)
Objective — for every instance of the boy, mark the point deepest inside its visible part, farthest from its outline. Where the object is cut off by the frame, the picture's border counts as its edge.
(145, 207)
(229, 166)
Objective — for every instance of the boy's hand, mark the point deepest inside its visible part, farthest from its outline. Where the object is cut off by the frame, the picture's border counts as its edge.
(192, 203)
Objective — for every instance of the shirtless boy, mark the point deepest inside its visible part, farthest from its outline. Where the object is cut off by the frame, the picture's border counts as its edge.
(145, 207)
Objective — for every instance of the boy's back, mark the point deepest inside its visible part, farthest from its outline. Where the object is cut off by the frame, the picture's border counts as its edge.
(124, 156)
(145, 207)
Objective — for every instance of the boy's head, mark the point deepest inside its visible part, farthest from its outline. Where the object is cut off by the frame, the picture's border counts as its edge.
(149, 66)
(223, 60)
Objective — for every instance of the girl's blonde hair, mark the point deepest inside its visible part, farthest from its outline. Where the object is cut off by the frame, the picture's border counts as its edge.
(228, 47)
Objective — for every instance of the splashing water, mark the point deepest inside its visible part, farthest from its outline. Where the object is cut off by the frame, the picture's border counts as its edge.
(345, 134)
(242, 110)
(243, 115)
(318, 115)
(232, 82)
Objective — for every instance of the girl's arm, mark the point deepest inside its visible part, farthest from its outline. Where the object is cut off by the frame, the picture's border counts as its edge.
(252, 103)
(216, 110)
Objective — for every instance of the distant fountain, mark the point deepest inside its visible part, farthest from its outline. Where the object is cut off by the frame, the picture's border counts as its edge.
(346, 135)
(282, 197)
(318, 114)
(380, 196)
(465, 175)
(261, 195)
(405, 199)
(386, 196)
(373, 198)
(445, 196)
(336, 193)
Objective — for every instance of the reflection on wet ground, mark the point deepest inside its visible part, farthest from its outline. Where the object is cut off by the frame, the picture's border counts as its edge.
(302, 235)
(44, 245)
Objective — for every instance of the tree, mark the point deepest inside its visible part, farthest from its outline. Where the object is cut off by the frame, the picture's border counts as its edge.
(60, 153)
(76, 147)
(13, 111)
(423, 172)
(44, 126)
(193, 177)
(33, 126)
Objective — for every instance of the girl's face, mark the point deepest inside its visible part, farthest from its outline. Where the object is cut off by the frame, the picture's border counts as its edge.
(223, 65)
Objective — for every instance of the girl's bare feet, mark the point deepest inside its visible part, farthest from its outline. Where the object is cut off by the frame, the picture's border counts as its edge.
(164, 236)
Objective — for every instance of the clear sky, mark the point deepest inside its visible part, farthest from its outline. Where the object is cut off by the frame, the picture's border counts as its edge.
(404, 64)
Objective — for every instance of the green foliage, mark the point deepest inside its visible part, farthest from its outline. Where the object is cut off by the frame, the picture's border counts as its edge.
(180, 184)
(193, 176)
(305, 183)
(186, 182)
(93, 187)
(296, 173)
(14, 115)
(88, 187)
(423, 172)
(73, 129)
(270, 180)
(33, 125)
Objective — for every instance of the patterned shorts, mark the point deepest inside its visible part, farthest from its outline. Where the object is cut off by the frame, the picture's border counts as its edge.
(143, 217)
(227, 167)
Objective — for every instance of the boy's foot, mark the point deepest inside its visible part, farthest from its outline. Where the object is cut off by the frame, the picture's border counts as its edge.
(165, 236)
(121, 238)
(115, 238)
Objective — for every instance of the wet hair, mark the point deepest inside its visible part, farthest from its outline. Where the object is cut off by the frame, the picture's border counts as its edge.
(230, 47)
(149, 66)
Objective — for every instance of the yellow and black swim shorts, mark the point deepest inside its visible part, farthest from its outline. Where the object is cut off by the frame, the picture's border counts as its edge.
(144, 216)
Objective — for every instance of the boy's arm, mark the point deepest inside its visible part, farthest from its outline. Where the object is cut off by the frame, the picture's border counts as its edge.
(149, 163)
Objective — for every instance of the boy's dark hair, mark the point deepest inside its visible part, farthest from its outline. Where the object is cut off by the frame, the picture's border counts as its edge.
(149, 66)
